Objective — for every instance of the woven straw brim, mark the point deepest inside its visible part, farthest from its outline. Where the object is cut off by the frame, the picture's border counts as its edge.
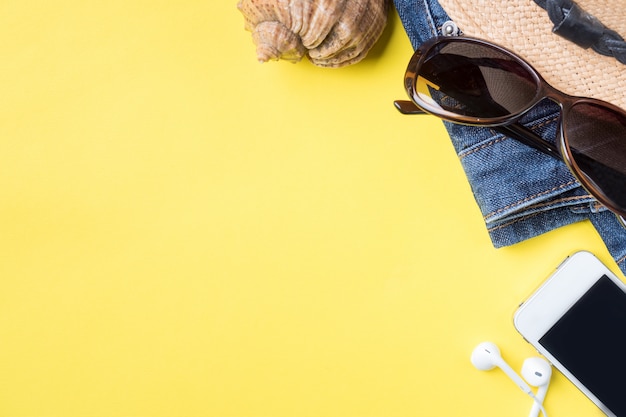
(525, 28)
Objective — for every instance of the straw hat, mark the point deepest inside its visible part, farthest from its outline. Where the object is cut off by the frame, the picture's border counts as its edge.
(526, 29)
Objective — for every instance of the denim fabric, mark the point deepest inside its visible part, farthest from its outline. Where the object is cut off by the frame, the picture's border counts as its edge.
(520, 191)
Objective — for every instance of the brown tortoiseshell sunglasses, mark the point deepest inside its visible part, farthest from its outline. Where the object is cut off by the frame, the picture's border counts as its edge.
(474, 82)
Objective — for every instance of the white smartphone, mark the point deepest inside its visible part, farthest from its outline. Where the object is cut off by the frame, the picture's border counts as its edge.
(577, 320)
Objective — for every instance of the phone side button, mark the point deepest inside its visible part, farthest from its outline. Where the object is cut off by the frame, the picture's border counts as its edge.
(562, 262)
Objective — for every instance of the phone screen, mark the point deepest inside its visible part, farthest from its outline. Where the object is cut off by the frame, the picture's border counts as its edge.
(590, 341)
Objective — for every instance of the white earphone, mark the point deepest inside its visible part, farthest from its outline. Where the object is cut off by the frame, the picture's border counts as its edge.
(537, 372)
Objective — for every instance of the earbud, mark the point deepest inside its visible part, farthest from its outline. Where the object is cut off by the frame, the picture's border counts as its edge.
(486, 356)
(537, 372)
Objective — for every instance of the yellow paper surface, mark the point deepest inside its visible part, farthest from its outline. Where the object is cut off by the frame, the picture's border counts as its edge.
(187, 232)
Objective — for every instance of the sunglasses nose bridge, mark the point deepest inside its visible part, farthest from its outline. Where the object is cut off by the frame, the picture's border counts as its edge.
(563, 100)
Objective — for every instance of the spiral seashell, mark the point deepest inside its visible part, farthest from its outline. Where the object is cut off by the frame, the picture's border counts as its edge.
(332, 33)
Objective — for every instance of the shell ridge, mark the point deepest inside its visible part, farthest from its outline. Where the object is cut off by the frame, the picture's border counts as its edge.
(332, 33)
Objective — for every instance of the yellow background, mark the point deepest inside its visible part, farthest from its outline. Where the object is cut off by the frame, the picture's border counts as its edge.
(187, 232)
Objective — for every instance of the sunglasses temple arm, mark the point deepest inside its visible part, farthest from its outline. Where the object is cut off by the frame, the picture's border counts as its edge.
(407, 107)
(515, 131)
(526, 136)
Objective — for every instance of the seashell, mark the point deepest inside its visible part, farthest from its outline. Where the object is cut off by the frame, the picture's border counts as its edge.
(332, 33)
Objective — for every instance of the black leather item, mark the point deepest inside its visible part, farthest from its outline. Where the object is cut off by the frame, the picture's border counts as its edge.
(576, 25)
(580, 27)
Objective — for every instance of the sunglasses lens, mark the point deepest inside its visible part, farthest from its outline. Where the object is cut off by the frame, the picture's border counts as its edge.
(475, 80)
(596, 137)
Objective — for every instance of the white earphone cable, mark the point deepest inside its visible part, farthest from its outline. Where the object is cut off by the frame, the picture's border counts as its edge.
(539, 404)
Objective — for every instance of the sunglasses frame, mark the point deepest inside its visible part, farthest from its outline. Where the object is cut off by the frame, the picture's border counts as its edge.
(508, 124)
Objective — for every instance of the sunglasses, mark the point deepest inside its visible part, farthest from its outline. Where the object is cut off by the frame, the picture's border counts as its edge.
(474, 82)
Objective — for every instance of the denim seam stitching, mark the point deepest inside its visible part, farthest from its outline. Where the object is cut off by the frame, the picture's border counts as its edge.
(620, 260)
(483, 146)
(431, 21)
(563, 200)
(517, 203)
(502, 226)
(560, 200)
(545, 122)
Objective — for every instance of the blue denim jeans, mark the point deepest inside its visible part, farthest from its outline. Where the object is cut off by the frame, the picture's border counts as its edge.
(520, 191)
